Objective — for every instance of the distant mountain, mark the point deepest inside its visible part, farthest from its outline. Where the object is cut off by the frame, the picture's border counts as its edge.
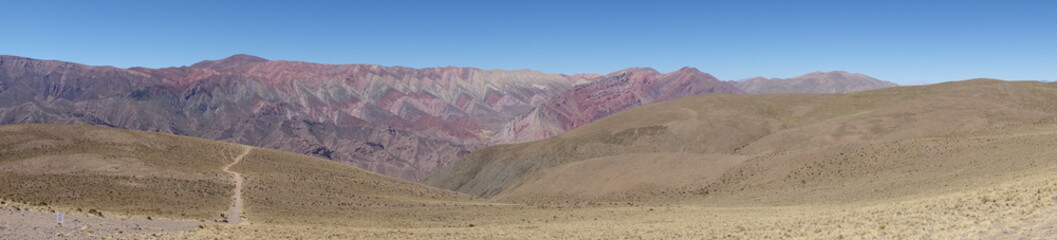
(816, 82)
(398, 121)
(606, 95)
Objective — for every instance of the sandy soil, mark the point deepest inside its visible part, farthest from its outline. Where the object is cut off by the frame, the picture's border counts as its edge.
(1023, 209)
(19, 223)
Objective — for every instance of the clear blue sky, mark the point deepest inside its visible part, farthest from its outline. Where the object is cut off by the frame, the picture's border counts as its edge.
(908, 42)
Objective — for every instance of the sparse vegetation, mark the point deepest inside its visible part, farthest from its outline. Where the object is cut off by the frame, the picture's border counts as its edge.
(113, 172)
(901, 163)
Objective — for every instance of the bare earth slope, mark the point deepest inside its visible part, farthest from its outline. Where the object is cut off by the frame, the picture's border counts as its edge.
(780, 149)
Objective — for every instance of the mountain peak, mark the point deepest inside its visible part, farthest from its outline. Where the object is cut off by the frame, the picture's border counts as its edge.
(229, 62)
(244, 58)
(636, 70)
(691, 72)
(689, 69)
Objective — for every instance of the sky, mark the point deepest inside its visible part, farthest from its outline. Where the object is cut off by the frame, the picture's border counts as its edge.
(907, 42)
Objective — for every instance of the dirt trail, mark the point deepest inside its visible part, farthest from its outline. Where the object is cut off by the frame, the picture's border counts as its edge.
(234, 214)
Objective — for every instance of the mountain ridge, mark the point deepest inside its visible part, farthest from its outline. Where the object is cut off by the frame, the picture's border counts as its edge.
(603, 96)
(427, 117)
(814, 82)
(399, 121)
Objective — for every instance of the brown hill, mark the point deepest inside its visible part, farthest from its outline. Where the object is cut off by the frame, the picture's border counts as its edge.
(816, 82)
(114, 172)
(781, 149)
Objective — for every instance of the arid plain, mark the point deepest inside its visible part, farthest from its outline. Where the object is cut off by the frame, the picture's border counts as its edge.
(961, 160)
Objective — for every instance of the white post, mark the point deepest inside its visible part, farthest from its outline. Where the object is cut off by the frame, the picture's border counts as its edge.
(60, 217)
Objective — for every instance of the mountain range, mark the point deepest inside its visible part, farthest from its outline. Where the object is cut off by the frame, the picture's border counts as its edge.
(397, 121)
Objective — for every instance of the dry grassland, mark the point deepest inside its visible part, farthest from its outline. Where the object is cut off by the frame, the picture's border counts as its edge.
(1021, 209)
(106, 172)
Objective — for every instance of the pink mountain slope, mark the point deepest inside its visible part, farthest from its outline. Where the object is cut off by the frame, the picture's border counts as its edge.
(397, 121)
(604, 96)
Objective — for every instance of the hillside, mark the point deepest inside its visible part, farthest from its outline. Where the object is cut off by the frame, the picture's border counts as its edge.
(116, 172)
(606, 95)
(781, 149)
(398, 121)
(815, 82)
(135, 185)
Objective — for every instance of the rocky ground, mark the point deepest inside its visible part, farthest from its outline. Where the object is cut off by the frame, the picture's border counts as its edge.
(20, 222)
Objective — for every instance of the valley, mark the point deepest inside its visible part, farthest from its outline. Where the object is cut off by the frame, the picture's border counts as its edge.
(959, 160)
(397, 121)
(727, 120)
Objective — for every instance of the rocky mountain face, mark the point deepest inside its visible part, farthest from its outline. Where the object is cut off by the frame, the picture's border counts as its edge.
(815, 82)
(606, 95)
(397, 121)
